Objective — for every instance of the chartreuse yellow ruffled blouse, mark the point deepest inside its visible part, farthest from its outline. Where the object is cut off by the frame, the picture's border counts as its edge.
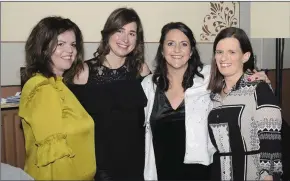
(59, 133)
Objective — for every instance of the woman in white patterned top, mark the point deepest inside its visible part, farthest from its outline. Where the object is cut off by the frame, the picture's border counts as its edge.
(245, 124)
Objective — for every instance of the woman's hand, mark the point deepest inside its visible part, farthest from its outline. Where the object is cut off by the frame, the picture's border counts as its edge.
(268, 178)
(259, 76)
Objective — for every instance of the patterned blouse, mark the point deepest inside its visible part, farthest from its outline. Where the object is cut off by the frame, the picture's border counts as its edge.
(245, 128)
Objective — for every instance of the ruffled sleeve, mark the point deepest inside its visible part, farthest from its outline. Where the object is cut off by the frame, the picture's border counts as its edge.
(52, 148)
(41, 108)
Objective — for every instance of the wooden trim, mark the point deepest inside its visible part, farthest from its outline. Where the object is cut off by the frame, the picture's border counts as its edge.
(285, 90)
(13, 142)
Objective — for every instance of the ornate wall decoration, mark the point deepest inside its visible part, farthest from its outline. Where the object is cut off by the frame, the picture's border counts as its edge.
(221, 15)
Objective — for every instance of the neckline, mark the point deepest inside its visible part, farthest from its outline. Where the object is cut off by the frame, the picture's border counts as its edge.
(114, 68)
(56, 78)
(169, 103)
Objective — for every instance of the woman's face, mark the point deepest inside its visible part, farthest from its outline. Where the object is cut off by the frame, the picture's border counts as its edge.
(124, 40)
(64, 53)
(229, 57)
(176, 49)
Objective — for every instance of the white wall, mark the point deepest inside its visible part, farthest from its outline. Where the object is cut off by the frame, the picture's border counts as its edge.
(18, 18)
(12, 52)
(270, 19)
(91, 16)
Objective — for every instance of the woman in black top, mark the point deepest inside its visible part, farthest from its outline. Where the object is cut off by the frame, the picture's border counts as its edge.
(110, 90)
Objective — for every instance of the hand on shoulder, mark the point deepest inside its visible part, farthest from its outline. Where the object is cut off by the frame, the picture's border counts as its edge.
(261, 75)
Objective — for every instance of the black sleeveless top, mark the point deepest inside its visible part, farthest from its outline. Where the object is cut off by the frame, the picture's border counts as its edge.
(102, 74)
(115, 100)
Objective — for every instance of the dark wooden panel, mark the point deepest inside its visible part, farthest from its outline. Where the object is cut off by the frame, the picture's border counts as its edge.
(285, 91)
(13, 145)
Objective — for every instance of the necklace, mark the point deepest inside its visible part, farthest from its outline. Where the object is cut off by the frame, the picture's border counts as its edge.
(107, 62)
(110, 66)
(225, 91)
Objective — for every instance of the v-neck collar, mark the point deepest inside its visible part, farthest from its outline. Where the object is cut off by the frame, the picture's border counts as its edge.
(168, 102)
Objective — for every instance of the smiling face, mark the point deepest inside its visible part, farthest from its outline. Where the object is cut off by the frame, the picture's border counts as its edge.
(65, 52)
(124, 40)
(176, 49)
(230, 58)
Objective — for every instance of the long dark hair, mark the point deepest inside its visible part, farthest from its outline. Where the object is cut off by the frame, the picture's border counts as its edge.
(216, 78)
(41, 44)
(117, 19)
(194, 62)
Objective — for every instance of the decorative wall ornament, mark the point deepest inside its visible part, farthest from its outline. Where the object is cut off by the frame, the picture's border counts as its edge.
(221, 15)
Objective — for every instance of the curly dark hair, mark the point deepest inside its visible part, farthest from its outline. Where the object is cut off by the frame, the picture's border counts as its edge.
(194, 63)
(41, 44)
(117, 19)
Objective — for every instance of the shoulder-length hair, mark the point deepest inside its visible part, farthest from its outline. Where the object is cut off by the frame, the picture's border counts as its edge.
(117, 19)
(216, 78)
(42, 42)
(194, 63)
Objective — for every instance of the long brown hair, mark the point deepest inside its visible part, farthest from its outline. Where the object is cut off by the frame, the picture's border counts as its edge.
(117, 19)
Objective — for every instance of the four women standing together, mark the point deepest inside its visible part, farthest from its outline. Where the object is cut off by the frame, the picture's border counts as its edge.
(108, 90)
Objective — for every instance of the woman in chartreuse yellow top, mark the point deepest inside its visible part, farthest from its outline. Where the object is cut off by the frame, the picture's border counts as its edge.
(59, 133)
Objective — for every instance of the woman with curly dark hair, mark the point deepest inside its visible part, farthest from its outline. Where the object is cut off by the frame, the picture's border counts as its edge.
(110, 90)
